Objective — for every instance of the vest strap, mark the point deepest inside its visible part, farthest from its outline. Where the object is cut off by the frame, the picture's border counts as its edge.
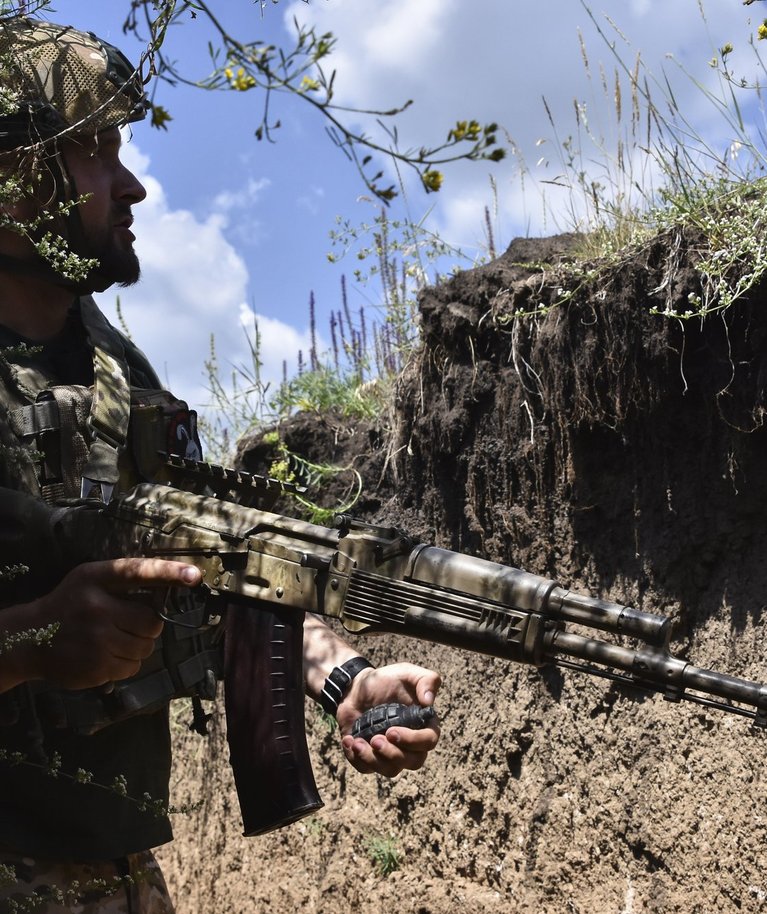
(34, 419)
(110, 411)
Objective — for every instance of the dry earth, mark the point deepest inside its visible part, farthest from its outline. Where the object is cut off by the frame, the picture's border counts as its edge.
(622, 453)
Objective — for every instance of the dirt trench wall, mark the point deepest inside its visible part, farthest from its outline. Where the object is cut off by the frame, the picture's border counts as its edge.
(622, 453)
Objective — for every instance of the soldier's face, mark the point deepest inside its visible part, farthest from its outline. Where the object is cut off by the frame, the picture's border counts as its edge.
(111, 189)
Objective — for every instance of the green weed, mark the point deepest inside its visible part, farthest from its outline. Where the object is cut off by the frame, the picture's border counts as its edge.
(328, 390)
(316, 827)
(237, 404)
(327, 720)
(384, 851)
(292, 468)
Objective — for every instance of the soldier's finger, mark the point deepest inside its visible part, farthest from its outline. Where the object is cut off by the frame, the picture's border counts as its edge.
(380, 757)
(130, 573)
(136, 617)
(409, 740)
(130, 647)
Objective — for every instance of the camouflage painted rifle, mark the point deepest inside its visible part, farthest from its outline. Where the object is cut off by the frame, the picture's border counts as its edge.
(372, 579)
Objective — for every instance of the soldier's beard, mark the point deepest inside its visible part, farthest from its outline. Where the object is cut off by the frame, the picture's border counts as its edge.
(118, 262)
(117, 266)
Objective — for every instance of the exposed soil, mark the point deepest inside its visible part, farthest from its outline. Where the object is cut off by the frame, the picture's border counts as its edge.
(622, 453)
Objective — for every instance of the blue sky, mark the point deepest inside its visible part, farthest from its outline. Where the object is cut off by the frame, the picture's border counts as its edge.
(232, 225)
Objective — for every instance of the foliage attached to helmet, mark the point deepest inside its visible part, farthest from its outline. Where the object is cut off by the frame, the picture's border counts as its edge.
(55, 82)
(63, 80)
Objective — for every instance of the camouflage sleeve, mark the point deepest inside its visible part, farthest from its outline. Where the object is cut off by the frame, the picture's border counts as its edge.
(31, 560)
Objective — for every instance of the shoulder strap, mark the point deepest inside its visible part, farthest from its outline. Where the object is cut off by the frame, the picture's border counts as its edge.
(110, 412)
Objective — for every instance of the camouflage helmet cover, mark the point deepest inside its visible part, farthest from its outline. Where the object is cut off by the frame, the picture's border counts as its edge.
(63, 79)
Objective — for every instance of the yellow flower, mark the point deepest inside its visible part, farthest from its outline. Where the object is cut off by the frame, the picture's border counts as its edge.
(762, 31)
(160, 117)
(308, 85)
(432, 180)
(464, 130)
(241, 81)
(280, 470)
(458, 132)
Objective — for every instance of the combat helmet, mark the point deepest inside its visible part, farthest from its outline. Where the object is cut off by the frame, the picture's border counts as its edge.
(57, 82)
(58, 79)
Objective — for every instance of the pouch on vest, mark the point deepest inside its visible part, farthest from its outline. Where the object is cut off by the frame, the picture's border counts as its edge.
(56, 424)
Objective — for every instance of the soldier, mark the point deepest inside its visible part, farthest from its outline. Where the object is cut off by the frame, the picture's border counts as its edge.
(68, 384)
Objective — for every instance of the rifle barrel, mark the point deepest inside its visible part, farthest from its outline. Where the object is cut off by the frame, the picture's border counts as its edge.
(667, 673)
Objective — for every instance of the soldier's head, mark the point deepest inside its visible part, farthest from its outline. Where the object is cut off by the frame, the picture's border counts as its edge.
(65, 95)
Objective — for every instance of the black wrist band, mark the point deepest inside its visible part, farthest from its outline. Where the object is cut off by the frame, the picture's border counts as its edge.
(338, 682)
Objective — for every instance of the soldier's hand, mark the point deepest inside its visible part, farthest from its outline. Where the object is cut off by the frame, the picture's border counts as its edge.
(106, 625)
(400, 747)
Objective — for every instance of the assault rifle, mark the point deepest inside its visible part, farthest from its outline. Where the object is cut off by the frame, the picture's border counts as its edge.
(373, 579)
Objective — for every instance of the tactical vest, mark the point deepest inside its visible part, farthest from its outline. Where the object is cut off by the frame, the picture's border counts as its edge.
(73, 442)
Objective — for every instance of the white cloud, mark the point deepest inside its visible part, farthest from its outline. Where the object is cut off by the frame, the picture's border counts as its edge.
(641, 7)
(228, 201)
(406, 32)
(382, 47)
(311, 201)
(193, 284)
(279, 343)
